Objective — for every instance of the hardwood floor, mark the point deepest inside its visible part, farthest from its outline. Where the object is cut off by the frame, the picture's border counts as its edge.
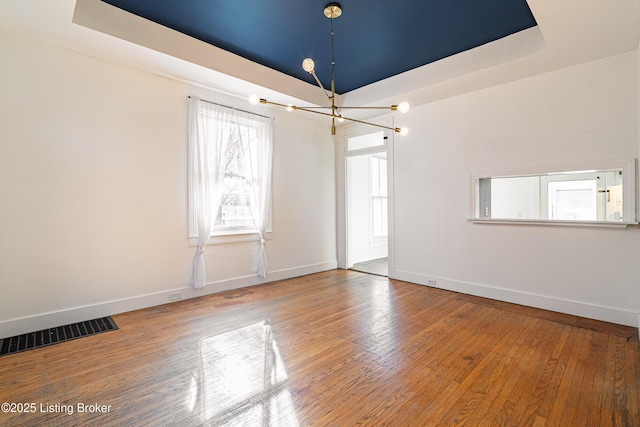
(339, 348)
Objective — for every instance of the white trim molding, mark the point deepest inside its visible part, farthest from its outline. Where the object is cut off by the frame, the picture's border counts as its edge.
(552, 222)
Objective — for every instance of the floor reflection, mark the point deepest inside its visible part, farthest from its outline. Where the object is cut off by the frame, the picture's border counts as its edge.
(380, 327)
(242, 380)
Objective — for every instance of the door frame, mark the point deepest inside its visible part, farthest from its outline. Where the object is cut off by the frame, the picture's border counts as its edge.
(342, 154)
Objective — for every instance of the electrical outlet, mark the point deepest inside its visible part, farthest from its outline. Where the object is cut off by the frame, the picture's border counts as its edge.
(175, 296)
(431, 281)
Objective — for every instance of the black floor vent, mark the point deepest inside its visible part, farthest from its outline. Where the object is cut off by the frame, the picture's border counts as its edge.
(56, 335)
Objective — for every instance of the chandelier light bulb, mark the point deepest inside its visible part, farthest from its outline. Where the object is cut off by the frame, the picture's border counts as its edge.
(404, 131)
(308, 65)
(340, 118)
(289, 108)
(403, 107)
(254, 99)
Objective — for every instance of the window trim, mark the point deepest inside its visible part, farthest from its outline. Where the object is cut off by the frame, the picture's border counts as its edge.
(629, 179)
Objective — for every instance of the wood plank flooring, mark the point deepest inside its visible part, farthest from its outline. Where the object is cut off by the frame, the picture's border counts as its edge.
(339, 348)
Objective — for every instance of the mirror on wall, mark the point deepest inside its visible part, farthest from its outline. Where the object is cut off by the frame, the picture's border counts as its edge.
(605, 194)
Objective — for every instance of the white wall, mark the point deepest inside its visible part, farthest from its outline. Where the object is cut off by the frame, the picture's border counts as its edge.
(587, 112)
(93, 191)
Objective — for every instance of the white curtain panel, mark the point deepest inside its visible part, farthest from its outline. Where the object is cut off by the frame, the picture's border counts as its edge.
(206, 146)
(258, 163)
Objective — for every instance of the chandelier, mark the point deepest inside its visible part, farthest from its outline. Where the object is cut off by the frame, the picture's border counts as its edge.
(333, 11)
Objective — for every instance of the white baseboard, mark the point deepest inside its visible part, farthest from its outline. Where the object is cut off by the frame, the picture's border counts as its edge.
(42, 321)
(576, 308)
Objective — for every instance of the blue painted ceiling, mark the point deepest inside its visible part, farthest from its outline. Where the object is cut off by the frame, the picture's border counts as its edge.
(374, 40)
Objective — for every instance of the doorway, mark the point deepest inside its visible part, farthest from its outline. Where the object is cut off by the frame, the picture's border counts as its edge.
(364, 175)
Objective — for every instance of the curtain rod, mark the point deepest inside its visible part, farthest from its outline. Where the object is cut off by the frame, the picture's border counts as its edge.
(233, 108)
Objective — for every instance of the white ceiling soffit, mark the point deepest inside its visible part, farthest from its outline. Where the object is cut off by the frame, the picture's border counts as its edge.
(569, 32)
(110, 20)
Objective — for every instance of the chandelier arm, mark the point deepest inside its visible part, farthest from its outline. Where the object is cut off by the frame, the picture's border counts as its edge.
(293, 107)
(397, 130)
(313, 73)
(370, 108)
(309, 110)
(353, 108)
(350, 108)
(312, 111)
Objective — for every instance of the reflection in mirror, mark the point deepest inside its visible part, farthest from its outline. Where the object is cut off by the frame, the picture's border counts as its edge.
(597, 195)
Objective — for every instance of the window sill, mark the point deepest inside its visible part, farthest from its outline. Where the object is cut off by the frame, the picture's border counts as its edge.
(555, 223)
(229, 237)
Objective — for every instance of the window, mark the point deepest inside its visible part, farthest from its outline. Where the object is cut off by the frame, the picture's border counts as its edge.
(379, 221)
(602, 193)
(235, 157)
(235, 211)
